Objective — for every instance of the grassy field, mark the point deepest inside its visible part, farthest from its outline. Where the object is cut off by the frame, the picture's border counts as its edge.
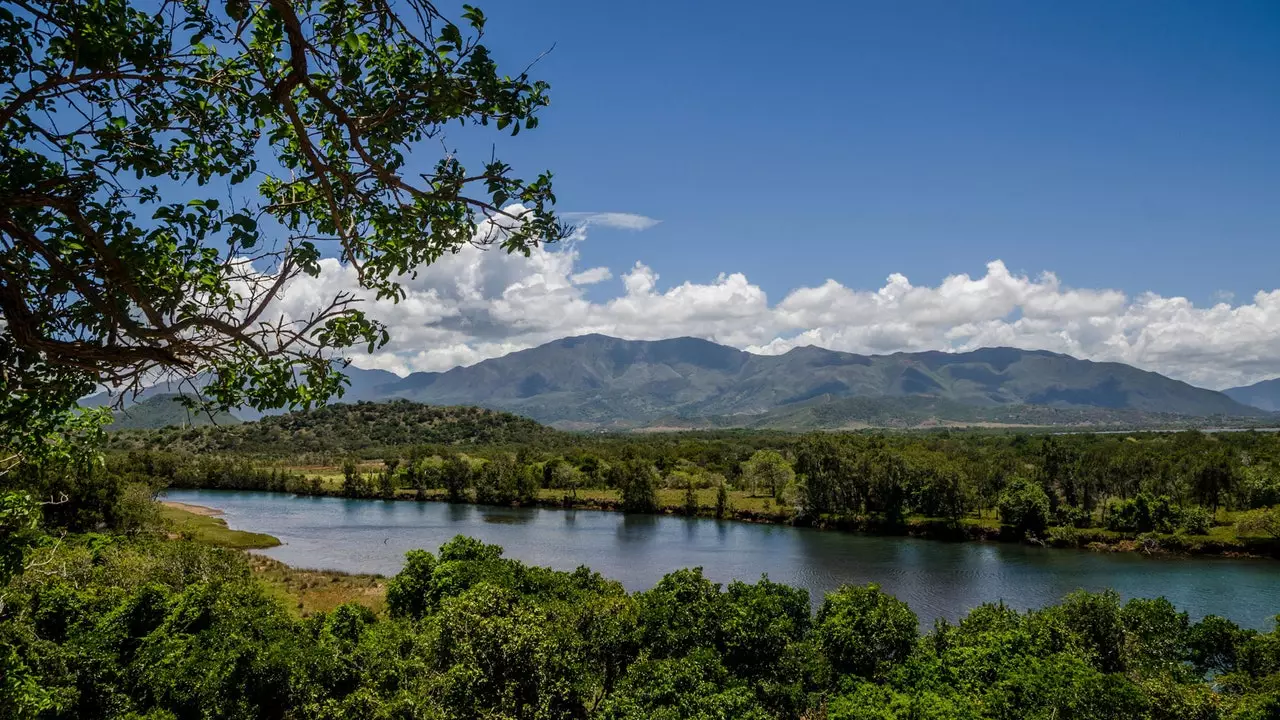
(304, 591)
(312, 591)
(211, 530)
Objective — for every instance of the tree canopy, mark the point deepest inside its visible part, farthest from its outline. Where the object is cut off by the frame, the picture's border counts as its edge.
(170, 167)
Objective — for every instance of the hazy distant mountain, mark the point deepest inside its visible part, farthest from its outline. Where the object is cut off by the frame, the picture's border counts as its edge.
(599, 380)
(163, 410)
(1264, 395)
(363, 385)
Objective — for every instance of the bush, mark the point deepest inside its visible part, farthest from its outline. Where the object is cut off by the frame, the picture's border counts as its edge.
(862, 631)
(1071, 516)
(1196, 521)
(1024, 506)
(1145, 513)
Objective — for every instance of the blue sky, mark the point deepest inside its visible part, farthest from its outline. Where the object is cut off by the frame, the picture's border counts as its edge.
(1095, 178)
(1129, 145)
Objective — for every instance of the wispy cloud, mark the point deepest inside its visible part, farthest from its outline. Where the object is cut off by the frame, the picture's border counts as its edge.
(619, 220)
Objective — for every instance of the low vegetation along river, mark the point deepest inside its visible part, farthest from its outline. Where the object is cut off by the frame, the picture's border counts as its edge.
(938, 579)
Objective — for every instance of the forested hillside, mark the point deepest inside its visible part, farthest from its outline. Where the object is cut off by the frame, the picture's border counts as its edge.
(165, 410)
(599, 382)
(596, 380)
(345, 428)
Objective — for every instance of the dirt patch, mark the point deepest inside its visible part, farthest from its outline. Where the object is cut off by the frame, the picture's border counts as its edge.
(193, 509)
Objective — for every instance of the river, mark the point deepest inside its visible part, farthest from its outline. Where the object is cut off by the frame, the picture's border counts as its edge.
(938, 579)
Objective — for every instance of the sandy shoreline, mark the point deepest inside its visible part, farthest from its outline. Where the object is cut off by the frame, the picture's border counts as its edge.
(193, 509)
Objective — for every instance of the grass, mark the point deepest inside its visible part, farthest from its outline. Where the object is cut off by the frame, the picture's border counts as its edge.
(304, 591)
(211, 530)
(311, 591)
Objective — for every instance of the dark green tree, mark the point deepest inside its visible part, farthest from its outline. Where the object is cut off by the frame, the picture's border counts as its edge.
(1024, 507)
(639, 484)
(456, 474)
(862, 631)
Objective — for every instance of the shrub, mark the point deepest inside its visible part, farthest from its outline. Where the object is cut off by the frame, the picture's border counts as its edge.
(1024, 506)
(863, 631)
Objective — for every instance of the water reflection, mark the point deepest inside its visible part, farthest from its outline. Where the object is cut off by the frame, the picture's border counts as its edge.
(938, 579)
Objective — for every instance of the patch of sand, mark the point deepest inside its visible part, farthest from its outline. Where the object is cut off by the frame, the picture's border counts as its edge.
(193, 509)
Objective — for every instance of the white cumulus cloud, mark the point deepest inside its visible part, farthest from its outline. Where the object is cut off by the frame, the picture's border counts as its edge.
(478, 304)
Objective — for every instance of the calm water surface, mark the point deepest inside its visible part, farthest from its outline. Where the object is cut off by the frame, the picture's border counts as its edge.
(938, 579)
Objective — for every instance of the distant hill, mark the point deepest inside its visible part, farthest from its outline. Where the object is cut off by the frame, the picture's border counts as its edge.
(1263, 395)
(345, 427)
(921, 411)
(165, 410)
(602, 381)
(597, 381)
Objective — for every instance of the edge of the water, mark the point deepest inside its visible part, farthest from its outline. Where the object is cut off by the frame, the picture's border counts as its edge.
(1090, 539)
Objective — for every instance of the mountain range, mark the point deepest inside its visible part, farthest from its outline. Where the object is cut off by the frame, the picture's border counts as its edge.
(1264, 395)
(596, 381)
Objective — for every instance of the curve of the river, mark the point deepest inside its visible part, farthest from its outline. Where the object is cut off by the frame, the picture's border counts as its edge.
(938, 579)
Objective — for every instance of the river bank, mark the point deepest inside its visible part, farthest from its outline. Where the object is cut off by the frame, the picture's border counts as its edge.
(205, 525)
(305, 591)
(1222, 540)
(943, 579)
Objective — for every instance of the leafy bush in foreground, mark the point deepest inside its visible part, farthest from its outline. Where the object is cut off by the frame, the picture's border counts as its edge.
(133, 629)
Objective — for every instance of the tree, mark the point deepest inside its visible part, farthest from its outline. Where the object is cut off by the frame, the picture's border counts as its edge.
(639, 484)
(826, 468)
(387, 478)
(170, 167)
(769, 470)
(19, 523)
(863, 631)
(408, 593)
(1214, 477)
(566, 477)
(352, 483)
(722, 499)
(758, 622)
(456, 474)
(1024, 506)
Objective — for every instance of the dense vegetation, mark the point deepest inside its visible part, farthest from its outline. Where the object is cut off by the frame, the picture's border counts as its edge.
(140, 629)
(1188, 490)
(344, 428)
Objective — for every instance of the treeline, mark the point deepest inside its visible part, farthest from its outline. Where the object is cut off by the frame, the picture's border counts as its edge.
(120, 629)
(1145, 483)
(343, 428)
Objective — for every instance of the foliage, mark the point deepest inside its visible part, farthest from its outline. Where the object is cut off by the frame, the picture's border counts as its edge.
(343, 428)
(1262, 522)
(1024, 506)
(638, 482)
(138, 628)
(862, 631)
(769, 471)
(218, 152)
